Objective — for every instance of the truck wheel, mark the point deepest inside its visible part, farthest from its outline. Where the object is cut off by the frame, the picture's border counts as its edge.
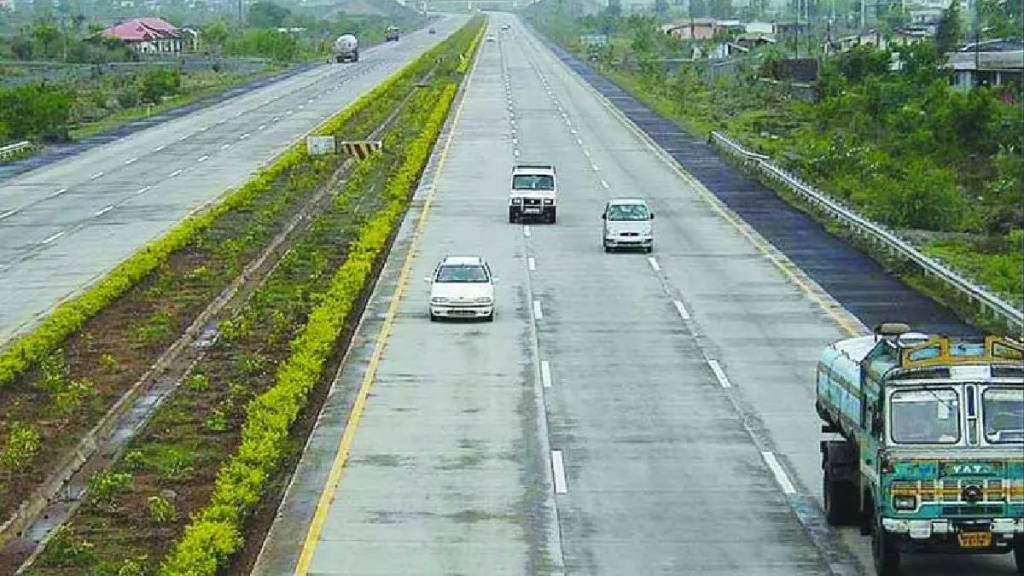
(551, 216)
(355, 57)
(884, 553)
(513, 215)
(840, 500)
(1018, 554)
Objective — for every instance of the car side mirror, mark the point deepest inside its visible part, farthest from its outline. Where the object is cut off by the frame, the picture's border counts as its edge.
(428, 279)
(652, 215)
(495, 280)
(604, 216)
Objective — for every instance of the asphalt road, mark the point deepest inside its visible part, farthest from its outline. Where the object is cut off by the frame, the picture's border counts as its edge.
(65, 225)
(624, 414)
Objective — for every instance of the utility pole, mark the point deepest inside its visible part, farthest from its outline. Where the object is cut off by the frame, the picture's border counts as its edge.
(977, 45)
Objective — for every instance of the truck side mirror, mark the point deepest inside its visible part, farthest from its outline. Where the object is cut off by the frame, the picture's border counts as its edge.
(652, 215)
(604, 216)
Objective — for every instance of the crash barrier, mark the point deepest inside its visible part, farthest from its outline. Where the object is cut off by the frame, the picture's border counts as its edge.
(12, 151)
(874, 232)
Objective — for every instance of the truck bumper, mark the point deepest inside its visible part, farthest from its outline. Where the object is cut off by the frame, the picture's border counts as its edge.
(953, 536)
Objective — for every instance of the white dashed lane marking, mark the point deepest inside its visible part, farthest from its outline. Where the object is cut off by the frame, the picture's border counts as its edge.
(723, 380)
(52, 238)
(538, 312)
(96, 175)
(604, 183)
(8, 213)
(654, 263)
(203, 158)
(532, 263)
(103, 211)
(130, 161)
(558, 471)
(175, 173)
(780, 474)
(681, 308)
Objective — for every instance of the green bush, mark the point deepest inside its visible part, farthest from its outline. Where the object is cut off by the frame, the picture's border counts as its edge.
(160, 510)
(20, 449)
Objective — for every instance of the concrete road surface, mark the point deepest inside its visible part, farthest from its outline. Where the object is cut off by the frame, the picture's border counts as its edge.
(625, 414)
(66, 224)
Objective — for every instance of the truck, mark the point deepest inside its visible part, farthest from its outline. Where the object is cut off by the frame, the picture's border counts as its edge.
(346, 49)
(533, 193)
(929, 456)
(391, 34)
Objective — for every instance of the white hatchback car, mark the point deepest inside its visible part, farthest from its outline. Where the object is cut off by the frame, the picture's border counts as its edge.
(628, 223)
(462, 287)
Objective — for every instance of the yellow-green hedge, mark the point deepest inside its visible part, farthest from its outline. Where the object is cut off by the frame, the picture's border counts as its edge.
(467, 56)
(72, 315)
(216, 532)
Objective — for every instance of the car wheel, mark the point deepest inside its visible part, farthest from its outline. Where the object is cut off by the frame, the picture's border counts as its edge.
(649, 249)
(433, 318)
(489, 317)
(513, 216)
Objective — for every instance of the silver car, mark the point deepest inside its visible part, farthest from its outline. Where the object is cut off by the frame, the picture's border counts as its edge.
(628, 223)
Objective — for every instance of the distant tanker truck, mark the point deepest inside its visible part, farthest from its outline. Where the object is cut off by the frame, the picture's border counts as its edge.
(346, 49)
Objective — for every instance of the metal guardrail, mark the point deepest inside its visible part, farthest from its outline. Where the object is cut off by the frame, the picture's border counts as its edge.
(12, 150)
(874, 232)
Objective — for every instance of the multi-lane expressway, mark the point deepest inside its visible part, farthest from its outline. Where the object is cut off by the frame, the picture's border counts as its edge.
(625, 414)
(66, 224)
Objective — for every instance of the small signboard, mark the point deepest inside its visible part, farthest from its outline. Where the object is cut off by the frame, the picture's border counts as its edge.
(320, 145)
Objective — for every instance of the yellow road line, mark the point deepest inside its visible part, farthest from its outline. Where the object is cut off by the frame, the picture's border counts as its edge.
(842, 319)
(348, 436)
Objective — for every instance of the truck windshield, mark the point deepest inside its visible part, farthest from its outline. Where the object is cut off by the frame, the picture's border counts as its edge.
(1004, 415)
(533, 182)
(925, 416)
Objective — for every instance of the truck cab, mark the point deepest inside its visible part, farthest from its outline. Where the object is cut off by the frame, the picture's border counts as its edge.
(533, 193)
(932, 451)
(391, 34)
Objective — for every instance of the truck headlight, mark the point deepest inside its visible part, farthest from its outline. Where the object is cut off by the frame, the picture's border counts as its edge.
(904, 502)
(548, 201)
(517, 201)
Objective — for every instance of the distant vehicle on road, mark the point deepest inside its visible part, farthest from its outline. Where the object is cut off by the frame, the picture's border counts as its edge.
(490, 37)
(506, 27)
(346, 49)
(461, 287)
(533, 193)
(391, 34)
(628, 223)
(932, 434)
(432, 30)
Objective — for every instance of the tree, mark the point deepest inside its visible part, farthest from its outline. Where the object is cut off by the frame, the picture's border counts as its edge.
(265, 14)
(661, 7)
(947, 34)
(614, 8)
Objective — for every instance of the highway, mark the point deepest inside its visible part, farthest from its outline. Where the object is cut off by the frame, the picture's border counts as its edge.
(66, 224)
(624, 414)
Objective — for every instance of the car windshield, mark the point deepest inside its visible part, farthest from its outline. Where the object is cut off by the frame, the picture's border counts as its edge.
(925, 416)
(462, 273)
(533, 182)
(1004, 415)
(629, 212)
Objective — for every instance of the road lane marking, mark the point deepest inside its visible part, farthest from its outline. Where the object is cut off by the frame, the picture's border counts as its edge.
(130, 161)
(175, 173)
(558, 469)
(246, 135)
(160, 147)
(8, 213)
(52, 238)
(532, 263)
(57, 193)
(526, 230)
(104, 210)
(96, 175)
(586, 153)
(683, 312)
(183, 138)
(538, 312)
(334, 476)
(780, 474)
(719, 374)
(604, 184)
(654, 263)
(143, 190)
(203, 158)
(579, 141)
(225, 146)
(545, 373)
(276, 118)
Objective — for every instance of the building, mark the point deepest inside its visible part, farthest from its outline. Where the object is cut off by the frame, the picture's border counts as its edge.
(151, 35)
(6, 4)
(990, 63)
(693, 29)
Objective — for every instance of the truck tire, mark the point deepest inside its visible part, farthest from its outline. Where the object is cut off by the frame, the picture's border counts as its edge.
(513, 215)
(551, 216)
(884, 553)
(355, 56)
(1018, 554)
(840, 500)
(338, 59)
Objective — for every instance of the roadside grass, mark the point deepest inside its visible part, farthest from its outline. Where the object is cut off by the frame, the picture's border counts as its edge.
(179, 461)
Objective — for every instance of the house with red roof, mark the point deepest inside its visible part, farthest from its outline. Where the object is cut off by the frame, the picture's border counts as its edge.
(151, 35)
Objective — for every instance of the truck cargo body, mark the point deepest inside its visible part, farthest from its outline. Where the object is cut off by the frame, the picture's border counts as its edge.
(346, 49)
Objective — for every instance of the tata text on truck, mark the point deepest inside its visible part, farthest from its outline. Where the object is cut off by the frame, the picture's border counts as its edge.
(932, 455)
(533, 193)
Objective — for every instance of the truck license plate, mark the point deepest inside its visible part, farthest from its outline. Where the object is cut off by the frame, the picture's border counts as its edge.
(974, 539)
(531, 210)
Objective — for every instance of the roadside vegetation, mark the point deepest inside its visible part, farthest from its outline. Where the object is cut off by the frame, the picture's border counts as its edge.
(61, 81)
(182, 497)
(902, 146)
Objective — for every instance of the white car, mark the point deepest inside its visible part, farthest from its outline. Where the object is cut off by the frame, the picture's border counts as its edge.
(462, 287)
(490, 37)
(628, 223)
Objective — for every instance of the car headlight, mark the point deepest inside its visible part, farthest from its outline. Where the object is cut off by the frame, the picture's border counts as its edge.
(484, 300)
(548, 201)
(648, 234)
(904, 502)
(438, 300)
(517, 201)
